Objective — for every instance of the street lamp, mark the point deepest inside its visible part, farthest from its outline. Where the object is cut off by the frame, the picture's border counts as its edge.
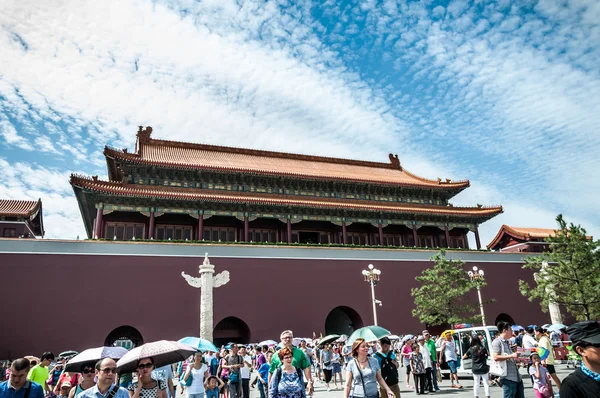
(372, 277)
(477, 275)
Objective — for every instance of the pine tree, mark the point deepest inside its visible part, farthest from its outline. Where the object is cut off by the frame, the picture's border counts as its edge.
(568, 274)
(444, 296)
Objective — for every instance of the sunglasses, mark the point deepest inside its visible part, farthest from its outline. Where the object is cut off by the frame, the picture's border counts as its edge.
(87, 371)
(145, 365)
(109, 370)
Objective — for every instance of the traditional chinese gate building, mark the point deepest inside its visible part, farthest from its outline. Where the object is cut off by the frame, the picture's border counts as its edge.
(167, 190)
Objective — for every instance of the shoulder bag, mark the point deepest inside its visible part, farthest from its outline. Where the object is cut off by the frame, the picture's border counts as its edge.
(498, 368)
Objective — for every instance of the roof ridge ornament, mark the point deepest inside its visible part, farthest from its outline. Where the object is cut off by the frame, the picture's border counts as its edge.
(395, 161)
(144, 135)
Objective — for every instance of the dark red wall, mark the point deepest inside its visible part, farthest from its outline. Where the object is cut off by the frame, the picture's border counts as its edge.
(59, 302)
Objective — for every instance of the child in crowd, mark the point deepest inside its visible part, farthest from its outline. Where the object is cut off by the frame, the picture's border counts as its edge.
(541, 384)
(213, 385)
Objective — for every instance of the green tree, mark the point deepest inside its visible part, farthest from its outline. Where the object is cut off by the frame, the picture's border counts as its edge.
(568, 274)
(444, 295)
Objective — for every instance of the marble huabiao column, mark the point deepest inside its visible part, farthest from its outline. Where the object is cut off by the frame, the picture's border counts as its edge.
(206, 283)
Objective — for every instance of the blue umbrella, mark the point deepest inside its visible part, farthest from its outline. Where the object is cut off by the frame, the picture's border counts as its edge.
(556, 327)
(516, 328)
(199, 344)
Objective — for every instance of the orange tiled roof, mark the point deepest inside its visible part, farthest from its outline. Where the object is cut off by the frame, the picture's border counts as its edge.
(521, 233)
(156, 191)
(531, 232)
(200, 156)
(18, 208)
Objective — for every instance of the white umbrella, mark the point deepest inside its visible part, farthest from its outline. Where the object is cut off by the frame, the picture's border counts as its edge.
(268, 342)
(407, 337)
(393, 337)
(162, 352)
(93, 355)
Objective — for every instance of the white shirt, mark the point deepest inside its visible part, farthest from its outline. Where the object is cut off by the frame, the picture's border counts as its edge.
(245, 371)
(529, 341)
(426, 356)
(197, 386)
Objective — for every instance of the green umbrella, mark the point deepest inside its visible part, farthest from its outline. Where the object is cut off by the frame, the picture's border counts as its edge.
(328, 339)
(369, 333)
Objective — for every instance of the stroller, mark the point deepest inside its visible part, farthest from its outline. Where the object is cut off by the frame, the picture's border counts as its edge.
(573, 358)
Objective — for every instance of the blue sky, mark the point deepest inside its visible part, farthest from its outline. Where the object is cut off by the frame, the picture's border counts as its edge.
(505, 94)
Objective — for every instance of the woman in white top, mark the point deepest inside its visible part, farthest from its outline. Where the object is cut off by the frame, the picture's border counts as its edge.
(198, 371)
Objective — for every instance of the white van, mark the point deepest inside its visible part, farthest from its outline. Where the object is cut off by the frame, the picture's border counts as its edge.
(462, 338)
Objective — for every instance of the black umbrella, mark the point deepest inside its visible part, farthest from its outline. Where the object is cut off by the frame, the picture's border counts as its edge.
(328, 339)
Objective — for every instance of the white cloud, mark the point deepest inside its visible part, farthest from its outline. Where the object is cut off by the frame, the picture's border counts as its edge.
(507, 99)
(22, 181)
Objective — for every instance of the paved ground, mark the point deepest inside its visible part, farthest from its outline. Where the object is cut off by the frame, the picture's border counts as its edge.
(446, 391)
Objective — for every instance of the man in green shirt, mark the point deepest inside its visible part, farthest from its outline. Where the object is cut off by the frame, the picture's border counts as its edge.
(299, 360)
(430, 344)
(39, 373)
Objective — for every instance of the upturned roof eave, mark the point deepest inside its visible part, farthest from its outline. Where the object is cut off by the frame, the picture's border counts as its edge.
(483, 213)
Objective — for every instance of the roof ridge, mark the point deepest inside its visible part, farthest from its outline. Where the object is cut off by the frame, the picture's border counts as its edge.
(267, 153)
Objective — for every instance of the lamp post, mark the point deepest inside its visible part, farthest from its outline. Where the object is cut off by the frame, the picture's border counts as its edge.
(477, 275)
(372, 277)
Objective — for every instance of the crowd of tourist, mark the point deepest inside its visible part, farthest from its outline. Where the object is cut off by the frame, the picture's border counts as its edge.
(363, 369)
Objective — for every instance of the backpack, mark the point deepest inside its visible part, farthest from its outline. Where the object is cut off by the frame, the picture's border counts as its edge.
(389, 372)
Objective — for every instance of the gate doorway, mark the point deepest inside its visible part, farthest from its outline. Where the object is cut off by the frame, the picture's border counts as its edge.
(124, 336)
(231, 329)
(342, 320)
(504, 317)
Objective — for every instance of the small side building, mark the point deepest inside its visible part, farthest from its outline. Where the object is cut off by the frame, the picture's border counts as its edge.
(21, 219)
(521, 240)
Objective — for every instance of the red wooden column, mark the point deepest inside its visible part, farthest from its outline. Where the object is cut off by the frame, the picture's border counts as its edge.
(447, 236)
(151, 226)
(245, 228)
(289, 231)
(415, 235)
(98, 232)
(380, 234)
(200, 227)
(477, 241)
(344, 233)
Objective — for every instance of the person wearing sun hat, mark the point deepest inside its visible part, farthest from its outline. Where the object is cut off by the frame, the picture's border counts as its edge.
(585, 381)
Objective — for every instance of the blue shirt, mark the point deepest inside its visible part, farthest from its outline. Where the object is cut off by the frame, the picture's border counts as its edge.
(212, 393)
(95, 393)
(390, 354)
(8, 391)
(263, 371)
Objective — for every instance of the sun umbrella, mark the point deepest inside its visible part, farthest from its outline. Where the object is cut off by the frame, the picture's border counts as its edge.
(328, 339)
(446, 332)
(93, 355)
(556, 327)
(199, 344)
(516, 328)
(369, 333)
(342, 339)
(163, 353)
(407, 337)
(68, 354)
(269, 343)
(393, 337)
(32, 358)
